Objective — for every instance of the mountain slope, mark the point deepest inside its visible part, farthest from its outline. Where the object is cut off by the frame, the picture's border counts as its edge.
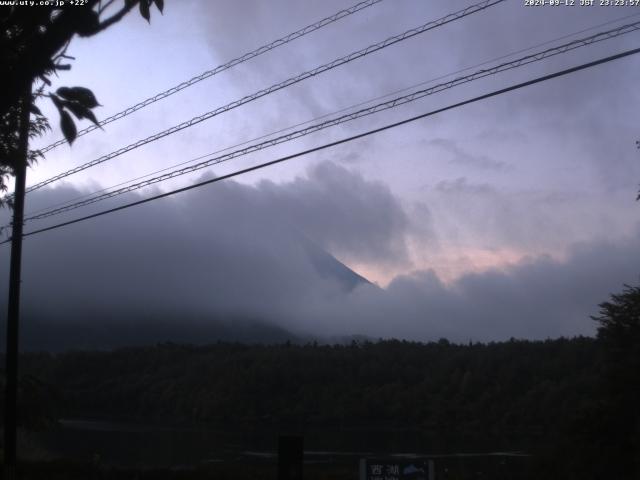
(88, 328)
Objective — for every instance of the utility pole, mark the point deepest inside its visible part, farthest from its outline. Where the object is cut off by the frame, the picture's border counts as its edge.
(13, 314)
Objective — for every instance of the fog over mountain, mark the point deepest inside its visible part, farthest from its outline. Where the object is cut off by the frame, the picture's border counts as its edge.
(255, 262)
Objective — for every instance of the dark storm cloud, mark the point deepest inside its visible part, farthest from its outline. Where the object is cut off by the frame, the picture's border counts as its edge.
(232, 249)
(353, 218)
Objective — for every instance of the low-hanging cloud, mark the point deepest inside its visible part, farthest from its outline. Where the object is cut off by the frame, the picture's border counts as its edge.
(242, 251)
(231, 250)
(353, 218)
(536, 298)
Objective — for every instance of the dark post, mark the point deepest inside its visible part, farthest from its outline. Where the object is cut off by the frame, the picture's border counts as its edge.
(290, 456)
(13, 314)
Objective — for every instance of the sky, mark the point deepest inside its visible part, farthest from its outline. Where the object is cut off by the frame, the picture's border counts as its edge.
(511, 217)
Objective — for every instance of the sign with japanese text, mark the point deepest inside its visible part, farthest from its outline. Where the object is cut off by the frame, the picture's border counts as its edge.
(396, 469)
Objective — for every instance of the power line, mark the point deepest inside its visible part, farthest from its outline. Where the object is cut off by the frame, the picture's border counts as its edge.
(393, 103)
(335, 112)
(279, 86)
(221, 68)
(526, 60)
(344, 140)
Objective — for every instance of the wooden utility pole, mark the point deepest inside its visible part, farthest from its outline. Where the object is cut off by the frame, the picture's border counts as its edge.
(13, 314)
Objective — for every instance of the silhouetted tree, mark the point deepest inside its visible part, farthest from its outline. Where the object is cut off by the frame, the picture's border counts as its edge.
(33, 45)
(619, 336)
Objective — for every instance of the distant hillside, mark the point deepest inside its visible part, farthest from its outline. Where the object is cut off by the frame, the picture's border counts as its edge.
(88, 329)
(108, 333)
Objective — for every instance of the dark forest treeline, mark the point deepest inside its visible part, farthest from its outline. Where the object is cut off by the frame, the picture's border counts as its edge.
(549, 398)
(573, 403)
(516, 391)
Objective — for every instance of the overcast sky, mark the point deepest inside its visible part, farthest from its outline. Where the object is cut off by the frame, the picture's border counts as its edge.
(514, 216)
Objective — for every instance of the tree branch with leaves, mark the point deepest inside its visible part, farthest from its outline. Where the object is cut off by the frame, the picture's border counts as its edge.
(33, 46)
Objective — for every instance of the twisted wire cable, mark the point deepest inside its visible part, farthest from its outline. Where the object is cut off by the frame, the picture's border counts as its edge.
(279, 86)
(326, 115)
(526, 60)
(486, 96)
(221, 68)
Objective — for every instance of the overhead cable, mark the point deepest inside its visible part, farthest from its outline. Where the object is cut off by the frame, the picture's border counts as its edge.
(221, 68)
(279, 86)
(339, 142)
(326, 115)
(526, 60)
